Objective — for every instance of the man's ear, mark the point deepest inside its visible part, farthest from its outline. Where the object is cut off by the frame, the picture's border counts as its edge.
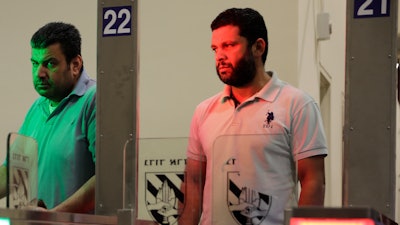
(259, 47)
(76, 65)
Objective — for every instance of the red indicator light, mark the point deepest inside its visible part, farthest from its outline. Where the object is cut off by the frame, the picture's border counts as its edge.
(331, 221)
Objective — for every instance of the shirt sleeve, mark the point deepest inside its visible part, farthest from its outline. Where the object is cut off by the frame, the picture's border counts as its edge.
(308, 136)
(195, 150)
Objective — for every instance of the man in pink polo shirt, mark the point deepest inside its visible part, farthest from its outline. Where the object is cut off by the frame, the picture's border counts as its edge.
(251, 143)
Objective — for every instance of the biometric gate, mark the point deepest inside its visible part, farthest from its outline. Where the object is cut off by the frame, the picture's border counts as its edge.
(370, 108)
(116, 106)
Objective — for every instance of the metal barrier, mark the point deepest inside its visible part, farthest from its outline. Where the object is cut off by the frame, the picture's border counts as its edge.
(31, 217)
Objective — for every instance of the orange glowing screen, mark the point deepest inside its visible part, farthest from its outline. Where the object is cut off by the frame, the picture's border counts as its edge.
(330, 221)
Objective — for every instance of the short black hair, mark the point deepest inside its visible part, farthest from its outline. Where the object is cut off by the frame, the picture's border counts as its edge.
(250, 23)
(58, 32)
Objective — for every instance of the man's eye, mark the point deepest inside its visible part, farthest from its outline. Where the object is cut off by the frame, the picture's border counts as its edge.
(49, 64)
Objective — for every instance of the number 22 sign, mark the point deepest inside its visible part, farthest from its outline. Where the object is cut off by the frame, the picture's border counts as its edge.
(117, 21)
(371, 8)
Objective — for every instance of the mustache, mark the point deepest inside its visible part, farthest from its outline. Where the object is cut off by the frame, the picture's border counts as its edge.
(223, 65)
(41, 81)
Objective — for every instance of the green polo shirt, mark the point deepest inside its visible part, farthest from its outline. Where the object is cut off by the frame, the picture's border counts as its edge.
(66, 141)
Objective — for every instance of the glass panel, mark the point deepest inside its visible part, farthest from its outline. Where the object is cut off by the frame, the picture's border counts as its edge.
(22, 171)
(253, 179)
(128, 175)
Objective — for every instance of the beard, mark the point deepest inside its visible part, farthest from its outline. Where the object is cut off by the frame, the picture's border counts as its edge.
(242, 74)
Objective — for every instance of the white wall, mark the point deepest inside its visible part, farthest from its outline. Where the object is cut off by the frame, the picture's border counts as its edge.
(326, 57)
(332, 59)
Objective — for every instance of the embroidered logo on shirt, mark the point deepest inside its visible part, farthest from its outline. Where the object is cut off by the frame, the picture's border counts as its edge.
(268, 120)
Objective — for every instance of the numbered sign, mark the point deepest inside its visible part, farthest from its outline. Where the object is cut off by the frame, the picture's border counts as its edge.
(371, 8)
(117, 21)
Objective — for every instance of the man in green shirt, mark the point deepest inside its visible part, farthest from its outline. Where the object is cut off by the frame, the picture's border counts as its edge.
(62, 121)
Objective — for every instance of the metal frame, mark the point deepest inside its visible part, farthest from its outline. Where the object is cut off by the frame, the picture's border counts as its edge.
(369, 177)
(117, 65)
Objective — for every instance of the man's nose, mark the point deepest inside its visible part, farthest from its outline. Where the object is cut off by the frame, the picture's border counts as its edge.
(220, 55)
(40, 71)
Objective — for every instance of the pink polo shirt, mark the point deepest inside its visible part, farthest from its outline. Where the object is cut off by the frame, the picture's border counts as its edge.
(251, 152)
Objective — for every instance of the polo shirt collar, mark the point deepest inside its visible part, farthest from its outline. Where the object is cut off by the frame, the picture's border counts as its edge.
(270, 90)
(82, 85)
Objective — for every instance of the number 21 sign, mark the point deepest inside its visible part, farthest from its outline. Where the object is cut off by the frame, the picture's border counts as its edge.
(371, 8)
(117, 21)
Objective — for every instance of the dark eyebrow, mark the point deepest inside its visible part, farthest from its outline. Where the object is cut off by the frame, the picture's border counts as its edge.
(46, 61)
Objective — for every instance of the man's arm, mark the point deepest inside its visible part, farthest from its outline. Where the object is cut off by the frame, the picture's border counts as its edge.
(311, 174)
(193, 189)
(81, 201)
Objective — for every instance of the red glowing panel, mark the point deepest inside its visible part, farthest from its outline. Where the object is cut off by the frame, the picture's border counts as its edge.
(330, 221)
